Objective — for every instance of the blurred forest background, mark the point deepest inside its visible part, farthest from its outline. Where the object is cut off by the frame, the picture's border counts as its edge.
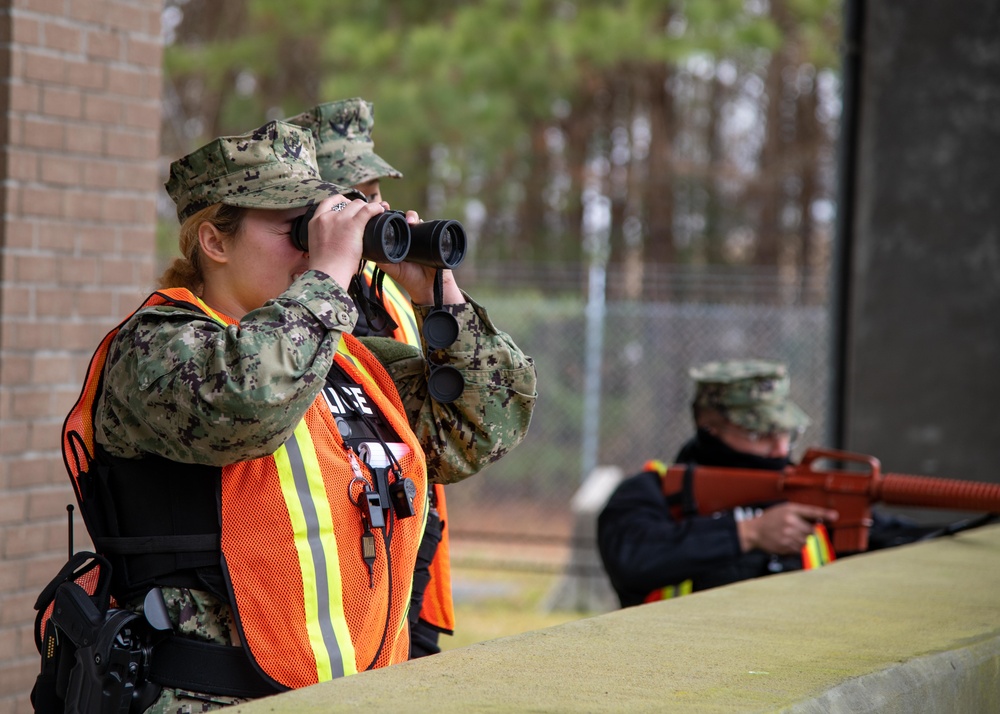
(646, 184)
(645, 133)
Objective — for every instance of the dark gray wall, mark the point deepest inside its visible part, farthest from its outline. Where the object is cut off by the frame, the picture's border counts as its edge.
(921, 335)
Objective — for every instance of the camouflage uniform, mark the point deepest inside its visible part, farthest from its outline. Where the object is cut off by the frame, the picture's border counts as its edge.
(182, 386)
(752, 394)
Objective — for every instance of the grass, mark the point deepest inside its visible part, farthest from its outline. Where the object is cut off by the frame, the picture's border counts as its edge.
(495, 603)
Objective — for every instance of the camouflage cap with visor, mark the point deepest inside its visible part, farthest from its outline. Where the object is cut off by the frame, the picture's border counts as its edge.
(752, 394)
(271, 167)
(345, 151)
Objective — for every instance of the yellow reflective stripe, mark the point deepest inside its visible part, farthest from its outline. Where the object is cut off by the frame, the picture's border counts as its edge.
(316, 545)
(672, 591)
(816, 552)
(209, 311)
(344, 352)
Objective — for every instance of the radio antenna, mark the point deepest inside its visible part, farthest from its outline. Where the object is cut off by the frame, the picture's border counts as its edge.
(69, 519)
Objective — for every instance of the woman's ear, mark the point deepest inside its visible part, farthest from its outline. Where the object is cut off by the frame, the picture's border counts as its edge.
(212, 242)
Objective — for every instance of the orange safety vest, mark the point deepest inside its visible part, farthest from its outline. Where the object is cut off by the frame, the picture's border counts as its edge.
(815, 553)
(438, 608)
(291, 535)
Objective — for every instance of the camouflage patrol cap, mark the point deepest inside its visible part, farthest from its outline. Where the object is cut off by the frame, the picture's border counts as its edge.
(272, 167)
(752, 394)
(345, 151)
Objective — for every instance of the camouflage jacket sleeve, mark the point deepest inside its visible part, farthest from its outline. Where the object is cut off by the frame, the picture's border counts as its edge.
(490, 417)
(185, 387)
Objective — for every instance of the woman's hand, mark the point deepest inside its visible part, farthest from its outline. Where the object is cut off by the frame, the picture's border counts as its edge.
(336, 233)
(419, 279)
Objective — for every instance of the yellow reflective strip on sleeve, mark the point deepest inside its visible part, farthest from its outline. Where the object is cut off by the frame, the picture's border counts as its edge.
(686, 587)
(316, 544)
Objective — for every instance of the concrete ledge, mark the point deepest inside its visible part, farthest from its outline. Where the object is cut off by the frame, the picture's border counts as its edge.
(913, 629)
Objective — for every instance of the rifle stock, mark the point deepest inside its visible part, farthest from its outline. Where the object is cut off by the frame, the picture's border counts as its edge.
(849, 492)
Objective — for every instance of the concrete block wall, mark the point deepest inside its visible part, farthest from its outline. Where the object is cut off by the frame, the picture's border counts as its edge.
(79, 142)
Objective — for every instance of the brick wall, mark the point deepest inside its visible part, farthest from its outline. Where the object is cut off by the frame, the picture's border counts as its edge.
(79, 140)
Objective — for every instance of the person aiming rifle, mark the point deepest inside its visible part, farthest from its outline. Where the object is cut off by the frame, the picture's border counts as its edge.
(654, 542)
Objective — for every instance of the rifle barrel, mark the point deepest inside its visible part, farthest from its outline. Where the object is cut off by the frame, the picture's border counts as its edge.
(907, 490)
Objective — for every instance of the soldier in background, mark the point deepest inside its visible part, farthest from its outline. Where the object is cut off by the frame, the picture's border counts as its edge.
(345, 154)
(744, 418)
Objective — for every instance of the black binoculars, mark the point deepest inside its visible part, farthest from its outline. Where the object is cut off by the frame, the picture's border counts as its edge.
(390, 239)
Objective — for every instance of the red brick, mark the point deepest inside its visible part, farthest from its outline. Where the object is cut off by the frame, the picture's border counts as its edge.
(64, 171)
(118, 209)
(28, 336)
(49, 504)
(99, 174)
(84, 337)
(24, 540)
(146, 53)
(104, 44)
(33, 268)
(43, 7)
(62, 37)
(126, 81)
(13, 507)
(143, 116)
(126, 16)
(57, 237)
(38, 201)
(25, 97)
(39, 66)
(94, 304)
(42, 134)
(38, 571)
(86, 75)
(79, 271)
(31, 403)
(133, 145)
(47, 434)
(88, 10)
(16, 301)
(20, 233)
(49, 369)
(100, 239)
(25, 30)
(66, 103)
(101, 108)
(117, 272)
(13, 436)
(37, 471)
(12, 575)
(84, 205)
(22, 165)
(85, 139)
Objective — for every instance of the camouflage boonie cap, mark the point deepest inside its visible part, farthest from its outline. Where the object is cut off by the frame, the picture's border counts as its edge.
(273, 167)
(752, 394)
(345, 151)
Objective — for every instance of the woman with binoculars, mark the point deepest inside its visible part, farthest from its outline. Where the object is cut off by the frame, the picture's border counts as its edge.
(234, 408)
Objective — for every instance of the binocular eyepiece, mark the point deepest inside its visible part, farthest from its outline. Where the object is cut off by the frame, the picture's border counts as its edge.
(390, 239)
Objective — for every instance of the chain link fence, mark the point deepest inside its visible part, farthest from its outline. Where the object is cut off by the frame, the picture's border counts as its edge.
(629, 400)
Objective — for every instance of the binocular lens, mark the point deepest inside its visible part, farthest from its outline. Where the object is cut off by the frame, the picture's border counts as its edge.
(387, 238)
(440, 244)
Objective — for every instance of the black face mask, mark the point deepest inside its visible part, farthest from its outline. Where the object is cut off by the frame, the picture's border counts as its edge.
(708, 450)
